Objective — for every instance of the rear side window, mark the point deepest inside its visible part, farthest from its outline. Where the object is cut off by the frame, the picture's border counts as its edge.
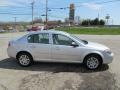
(39, 38)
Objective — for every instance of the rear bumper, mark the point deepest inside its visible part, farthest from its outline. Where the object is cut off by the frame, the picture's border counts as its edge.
(11, 52)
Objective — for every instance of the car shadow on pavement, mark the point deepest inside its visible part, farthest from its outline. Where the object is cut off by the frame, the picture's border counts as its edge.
(11, 63)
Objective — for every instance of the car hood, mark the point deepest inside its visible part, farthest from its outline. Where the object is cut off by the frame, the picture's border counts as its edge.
(96, 46)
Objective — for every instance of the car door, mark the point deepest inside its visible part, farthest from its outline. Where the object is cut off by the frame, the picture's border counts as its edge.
(40, 46)
(62, 49)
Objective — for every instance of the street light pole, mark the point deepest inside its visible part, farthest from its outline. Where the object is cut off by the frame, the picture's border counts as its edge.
(15, 19)
(32, 12)
(46, 12)
(98, 18)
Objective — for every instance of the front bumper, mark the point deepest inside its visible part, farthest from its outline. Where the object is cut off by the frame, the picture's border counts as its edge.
(108, 58)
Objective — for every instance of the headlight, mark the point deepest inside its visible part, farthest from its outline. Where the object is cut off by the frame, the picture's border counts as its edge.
(108, 51)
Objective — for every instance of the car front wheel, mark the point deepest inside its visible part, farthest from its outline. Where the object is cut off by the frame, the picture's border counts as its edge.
(25, 59)
(93, 62)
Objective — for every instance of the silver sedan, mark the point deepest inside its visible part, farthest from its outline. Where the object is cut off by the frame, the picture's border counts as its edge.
(58, 46)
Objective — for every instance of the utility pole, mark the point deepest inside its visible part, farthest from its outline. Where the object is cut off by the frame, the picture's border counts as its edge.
(98, 18)
(32, 11)
(112, 21)
(46, 12)
(15, 19)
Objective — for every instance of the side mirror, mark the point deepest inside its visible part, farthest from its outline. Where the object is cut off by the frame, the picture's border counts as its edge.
(74, 44)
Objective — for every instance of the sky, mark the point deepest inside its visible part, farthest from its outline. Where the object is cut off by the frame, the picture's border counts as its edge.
(86, 9)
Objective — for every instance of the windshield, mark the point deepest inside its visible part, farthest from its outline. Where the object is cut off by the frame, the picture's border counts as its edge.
(82, 41)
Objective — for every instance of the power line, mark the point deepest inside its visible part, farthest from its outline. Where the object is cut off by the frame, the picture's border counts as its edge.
(62, 8)
(47, 9)
(56, 16)
(107, 2)
(103, 2)
(13, 14)
(86, 1)
(14, 7)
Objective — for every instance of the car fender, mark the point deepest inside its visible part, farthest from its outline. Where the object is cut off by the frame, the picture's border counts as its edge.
(91, 52)
(24, 51)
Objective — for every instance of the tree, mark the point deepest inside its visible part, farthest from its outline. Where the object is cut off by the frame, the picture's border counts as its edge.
(85, 22)
(101, 22)
(96, 21)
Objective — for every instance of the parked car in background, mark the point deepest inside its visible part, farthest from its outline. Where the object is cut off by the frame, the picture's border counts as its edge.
(58, 46)
(2, 31)
(14, 30)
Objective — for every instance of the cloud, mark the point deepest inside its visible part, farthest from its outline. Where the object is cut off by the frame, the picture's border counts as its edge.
(6, 3)
(14, 2)
(92, 6)
(24, 1)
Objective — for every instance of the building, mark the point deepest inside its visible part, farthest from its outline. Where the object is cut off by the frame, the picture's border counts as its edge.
(66, 20)
(77, 20)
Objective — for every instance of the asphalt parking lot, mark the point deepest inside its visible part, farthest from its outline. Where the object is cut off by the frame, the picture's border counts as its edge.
(59, 76)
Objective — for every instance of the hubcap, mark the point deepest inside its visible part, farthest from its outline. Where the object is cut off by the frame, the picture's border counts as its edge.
(24, 60)
(92, 63)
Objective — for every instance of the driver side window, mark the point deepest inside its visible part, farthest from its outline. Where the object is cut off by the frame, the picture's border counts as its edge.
(59, 39)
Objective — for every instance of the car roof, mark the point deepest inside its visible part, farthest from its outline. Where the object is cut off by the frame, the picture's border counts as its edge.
(49, 31)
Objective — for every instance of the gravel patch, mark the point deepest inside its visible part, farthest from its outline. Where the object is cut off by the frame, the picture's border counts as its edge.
(69, 81)
(2, 87)
(51, 81)
(99, 81)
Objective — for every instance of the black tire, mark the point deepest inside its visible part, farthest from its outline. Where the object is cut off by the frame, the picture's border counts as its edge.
(27, 62)
(93, 61)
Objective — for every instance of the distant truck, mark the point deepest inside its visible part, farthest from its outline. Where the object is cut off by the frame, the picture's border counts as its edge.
(40, 28)
(36, 28)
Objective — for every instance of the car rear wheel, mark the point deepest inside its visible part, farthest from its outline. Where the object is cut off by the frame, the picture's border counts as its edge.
(25, 59)
(93, 61)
